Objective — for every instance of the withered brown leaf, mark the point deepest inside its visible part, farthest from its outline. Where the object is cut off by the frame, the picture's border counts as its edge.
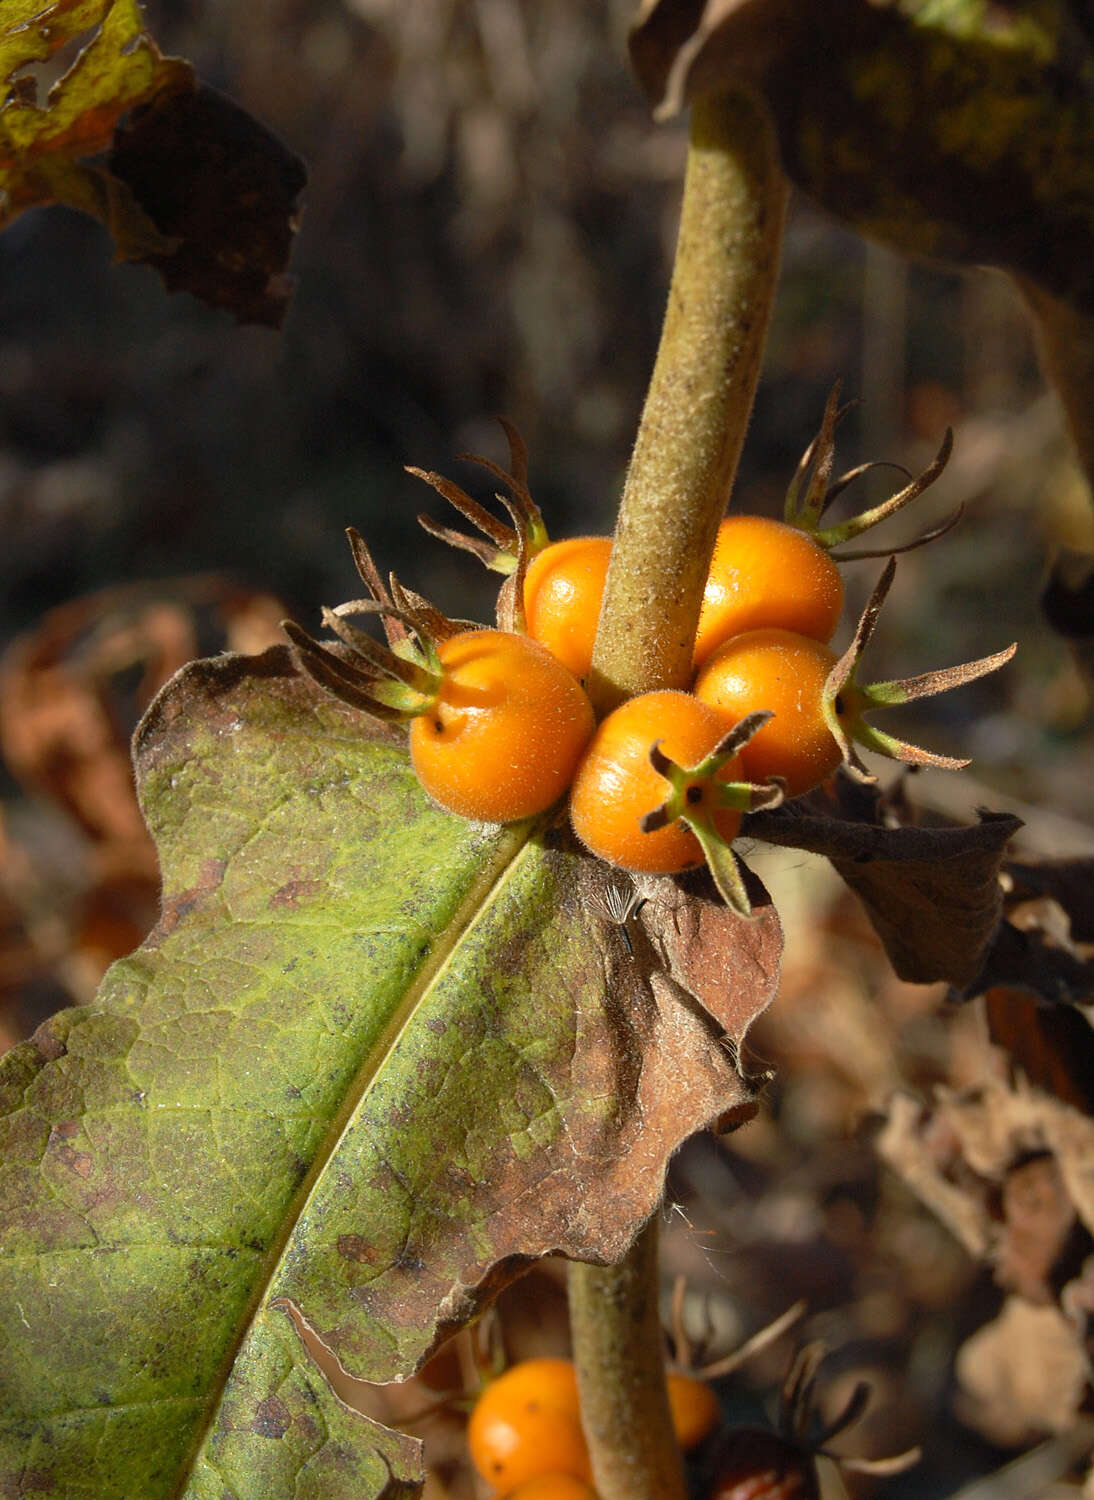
(224, 188)
(1043, 946)
(932, 893)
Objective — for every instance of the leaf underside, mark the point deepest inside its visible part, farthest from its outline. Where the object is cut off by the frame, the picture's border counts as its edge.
(963, 131)
(372, 1058)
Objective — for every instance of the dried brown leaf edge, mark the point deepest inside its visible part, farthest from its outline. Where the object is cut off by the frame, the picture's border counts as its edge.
(932, 894)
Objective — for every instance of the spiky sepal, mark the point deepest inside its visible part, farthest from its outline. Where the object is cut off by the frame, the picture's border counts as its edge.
(506, 549)
(696, 795)
(814, 472)
(395, 682)
(845, 701)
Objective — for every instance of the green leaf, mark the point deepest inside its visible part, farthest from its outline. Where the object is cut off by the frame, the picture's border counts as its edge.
(371, 1059)
(33, 32)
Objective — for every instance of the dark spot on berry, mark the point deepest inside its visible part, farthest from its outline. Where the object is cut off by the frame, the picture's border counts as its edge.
(438, 726)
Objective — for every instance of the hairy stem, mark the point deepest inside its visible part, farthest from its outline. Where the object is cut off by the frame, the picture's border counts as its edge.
(693, 425)
(618, 1351)
(681, 472)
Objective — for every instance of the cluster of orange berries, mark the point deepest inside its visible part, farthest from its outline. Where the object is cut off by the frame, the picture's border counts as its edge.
(501, 726)
(525, 1436)
(526, 1440)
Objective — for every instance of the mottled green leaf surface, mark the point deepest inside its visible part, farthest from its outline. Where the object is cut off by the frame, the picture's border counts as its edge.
(372, 1057)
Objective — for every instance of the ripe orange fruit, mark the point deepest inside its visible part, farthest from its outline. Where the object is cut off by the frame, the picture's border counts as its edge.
(527, 1424)
(615, 785)
(786, 673)
(563, 589)
(554, 1487)
(502, 738)
(694, 1407)
(765, 573)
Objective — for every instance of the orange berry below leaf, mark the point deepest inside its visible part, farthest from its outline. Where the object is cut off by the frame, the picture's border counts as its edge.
(544, 1381)
(563, 590)
(510, 1449)
(503, 737)
(526, 1425)
(525, 1433)
(786, 673)
(554, 1487)
(615, 785)
(694, 1407)
(766, 573)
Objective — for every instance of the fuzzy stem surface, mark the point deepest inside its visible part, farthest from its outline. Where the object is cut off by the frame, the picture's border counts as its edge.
(681, 472)
(699, 401)
(616, 1323)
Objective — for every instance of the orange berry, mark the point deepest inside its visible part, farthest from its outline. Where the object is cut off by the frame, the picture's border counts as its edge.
(563, 589)
(527, 1424)
(503, 737)
(786, 673)
(765, 573)
(547, 1381)
(554, 1487)
(615, 784)
(694, 1407)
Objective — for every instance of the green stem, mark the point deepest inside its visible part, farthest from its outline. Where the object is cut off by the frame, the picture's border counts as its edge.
(615, 1316)
(681, 472)
(699, 402)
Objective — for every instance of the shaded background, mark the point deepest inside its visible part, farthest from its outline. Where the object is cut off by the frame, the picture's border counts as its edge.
(488, 228)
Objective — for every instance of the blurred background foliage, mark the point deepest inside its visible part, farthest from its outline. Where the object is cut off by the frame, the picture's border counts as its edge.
(488, 228)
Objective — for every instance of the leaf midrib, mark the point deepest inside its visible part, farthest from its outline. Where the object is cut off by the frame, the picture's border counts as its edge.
(512, 844)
